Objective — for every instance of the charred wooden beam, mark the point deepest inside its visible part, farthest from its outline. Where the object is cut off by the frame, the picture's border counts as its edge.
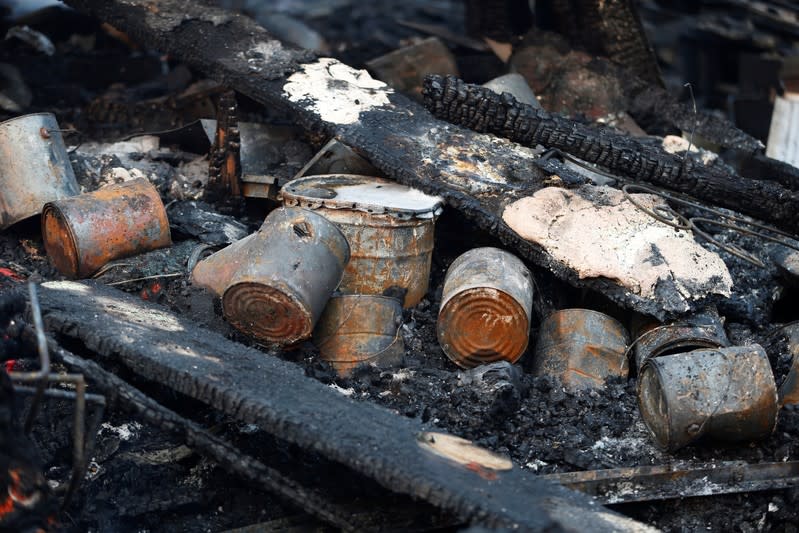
(483, 110)
(257, 388)
(477, 174)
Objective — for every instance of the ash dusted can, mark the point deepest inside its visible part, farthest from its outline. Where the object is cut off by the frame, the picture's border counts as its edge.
(358, 329)
(486, 308)
(287, 273)
(704, 329)
(36, 167)
(582, 348)
(726, 394)
(390, 229)
(83, 233)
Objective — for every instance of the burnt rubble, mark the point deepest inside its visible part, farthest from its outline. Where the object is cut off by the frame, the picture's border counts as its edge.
(521, 278)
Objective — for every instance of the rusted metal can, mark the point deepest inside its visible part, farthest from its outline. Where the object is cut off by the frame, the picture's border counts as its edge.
(83, 233)
(725, 394)
(358, 329)
(389, 228)
(215, 271)
(36, 167)
(486, 307)
(704, 329)
(286, 275)
(582, 348)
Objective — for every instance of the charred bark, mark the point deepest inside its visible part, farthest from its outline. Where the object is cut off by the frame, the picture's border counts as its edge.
(483, 110)
(256, 388)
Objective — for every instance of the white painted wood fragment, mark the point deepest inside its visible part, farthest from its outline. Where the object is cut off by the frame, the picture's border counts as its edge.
(783, 135)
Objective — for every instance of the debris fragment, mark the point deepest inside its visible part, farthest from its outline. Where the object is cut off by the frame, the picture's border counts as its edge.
(405, 69)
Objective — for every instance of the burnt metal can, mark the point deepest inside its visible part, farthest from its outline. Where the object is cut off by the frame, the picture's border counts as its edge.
(83, 233)
(582, 348)
(725, 394)
(36, 167)
(704, 329)
(358, 329)
(390, 229)
(486, 308)
(285, 277)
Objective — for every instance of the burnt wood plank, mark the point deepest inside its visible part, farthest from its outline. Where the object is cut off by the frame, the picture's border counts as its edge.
(261, 389)
(475, 173)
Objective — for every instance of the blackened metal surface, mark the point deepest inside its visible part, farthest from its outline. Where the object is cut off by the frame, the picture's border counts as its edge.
(726, 394)
(259, 389)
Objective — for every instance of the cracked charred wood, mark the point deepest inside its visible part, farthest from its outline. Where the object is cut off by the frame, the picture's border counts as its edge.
(135, 401)
(483, 110)
(610, 28)
(478, 175)
(257, 388)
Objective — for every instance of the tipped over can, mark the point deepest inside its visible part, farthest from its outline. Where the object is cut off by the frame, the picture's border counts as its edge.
(704, 329)
(35, 167)
(358, 329)
(726, 394)
(485, 308)
(582, 348)
(390, 229)
(83, 233)
(285, 275)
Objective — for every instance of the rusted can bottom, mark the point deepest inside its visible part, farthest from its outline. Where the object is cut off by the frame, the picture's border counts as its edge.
(582, 348)
(725, 394)
(266, 312)
(482, 325)
(360, 329)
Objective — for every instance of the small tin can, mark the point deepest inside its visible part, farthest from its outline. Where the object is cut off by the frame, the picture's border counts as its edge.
(704, 329)
(486, 308)
(582, 348)
(83, 233)
(390, 229)
(358, 329)
(36, 167)
(726, 394)
(285, 277)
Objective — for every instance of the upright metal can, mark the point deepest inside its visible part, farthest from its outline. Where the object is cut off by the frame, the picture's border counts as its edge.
(726, 394)
(83, 233)
(486, 308)
(35, 167)
(287, 273)
(582, 348)
(390, 229)
(360, 329)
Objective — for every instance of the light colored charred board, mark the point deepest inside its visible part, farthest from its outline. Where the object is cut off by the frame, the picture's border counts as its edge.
(476, 174)
(261, 389)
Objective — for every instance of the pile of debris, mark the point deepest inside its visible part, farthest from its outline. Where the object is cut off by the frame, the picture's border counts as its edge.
(390, 298)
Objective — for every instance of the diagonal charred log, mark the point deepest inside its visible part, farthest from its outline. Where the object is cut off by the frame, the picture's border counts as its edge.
(483, 110)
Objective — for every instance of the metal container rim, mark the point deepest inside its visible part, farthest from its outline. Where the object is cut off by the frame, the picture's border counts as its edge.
(53, 207)
(297, 198)
(26, 116)
(652, 364)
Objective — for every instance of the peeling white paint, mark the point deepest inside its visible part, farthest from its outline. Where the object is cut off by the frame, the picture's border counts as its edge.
(614, 239)
(336, 92)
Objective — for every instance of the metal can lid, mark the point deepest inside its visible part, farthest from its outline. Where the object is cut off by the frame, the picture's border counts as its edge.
(363, 193)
